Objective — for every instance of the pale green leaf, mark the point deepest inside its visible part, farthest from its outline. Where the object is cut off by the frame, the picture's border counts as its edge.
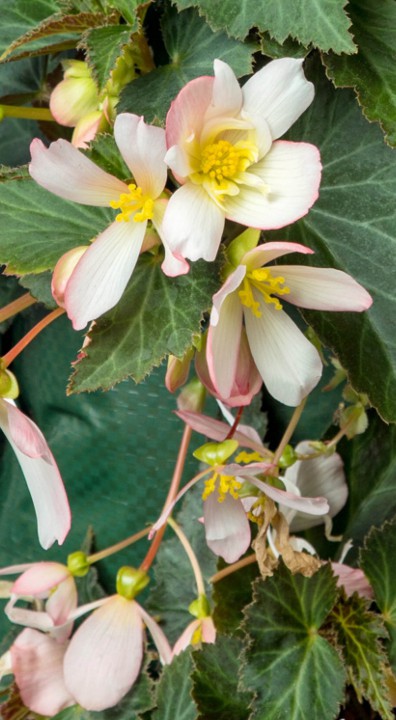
(192, 48)
(104, 46)
(352, 227)
(322, 23)
(293, 670)
(372, 72)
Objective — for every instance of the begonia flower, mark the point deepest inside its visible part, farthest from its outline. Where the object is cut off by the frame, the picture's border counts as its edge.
(200, 630)
(227, 528)
(49, 581)
(320, 475)
(99, 278)
(224, 151)
(288, 363)
(37, 664)
(104, 656)
(41, 473)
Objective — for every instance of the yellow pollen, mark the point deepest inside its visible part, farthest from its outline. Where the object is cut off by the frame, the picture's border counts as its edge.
(263, 280)
(221, 162)
(197, 635)
(226, 484)
(248, 457)
(133, 202)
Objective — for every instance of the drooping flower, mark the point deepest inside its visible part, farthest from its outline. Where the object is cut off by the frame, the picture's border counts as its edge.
(104, 656)
(201, 630)
(37, 464)
(224, 151)
(98, 280)
(289, 364)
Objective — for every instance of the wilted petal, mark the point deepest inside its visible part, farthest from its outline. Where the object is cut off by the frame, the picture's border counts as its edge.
(41, 474)
(288, 363)
(37, 663)
(143, 148)
(279, 92)
(105, 654)
(193, 224)
(101, 276)
(324, 289)
(292, 173)
(227, 528)
(65, 171)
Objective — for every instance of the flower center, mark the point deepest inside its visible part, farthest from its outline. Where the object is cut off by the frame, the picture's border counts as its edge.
(262, 280)
(133, 202)
(221, 164)
(224, 484)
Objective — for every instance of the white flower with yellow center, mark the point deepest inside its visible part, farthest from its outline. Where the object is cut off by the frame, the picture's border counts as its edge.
(96, 281)
(224, 152)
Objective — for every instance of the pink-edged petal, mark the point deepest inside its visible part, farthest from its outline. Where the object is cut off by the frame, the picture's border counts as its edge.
(193, 224)
(101, 276)
(222, 350)
(65, 171)
(185, 638)
(231, 284)
(63, 270)
(14, 569)
(62, 601)
(174, 264)
(227, 528)
(41, 474)
(280, 93)
(104, 656)
(186, 115)
(288, 363)
(143, 148)
(159, 637)
(352, 580)
(263, 254)
(72, 99)
(310, 505)
(218, 430)
(37, 663)
(87, 128)
(292, 172)
(324, 289)
(323, 475)
(208, 630)
(40, 578)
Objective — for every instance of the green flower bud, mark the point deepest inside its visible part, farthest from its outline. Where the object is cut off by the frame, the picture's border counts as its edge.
(77, 563)
(241, 245)
(8, 383)
(216, 453)
(200, 608)
(130, 582)
(288, 457)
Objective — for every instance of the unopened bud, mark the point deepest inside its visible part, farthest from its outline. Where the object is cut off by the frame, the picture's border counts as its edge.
(130, 582)
(216, 453)
(77, 564)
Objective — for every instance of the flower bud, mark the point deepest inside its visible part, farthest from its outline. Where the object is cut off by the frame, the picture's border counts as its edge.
(216, 453)
(130, 582)
(8, 383)
(77, 564)
(200, 608)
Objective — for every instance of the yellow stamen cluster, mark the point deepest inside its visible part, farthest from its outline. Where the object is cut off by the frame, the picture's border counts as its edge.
(221, 163)
(267, 285)
(248, 457)
(226, 484)
(133, 202)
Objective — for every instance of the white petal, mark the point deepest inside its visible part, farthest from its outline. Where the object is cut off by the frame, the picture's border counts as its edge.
(222, 350)
(104, 656)
(311, 505)
(227, 94)
(193, 224)
(292, 173)
(269, 251)
(227, 528)
(324, 289)
(186, 115)
(288, 363)
(102, 274)
(161, 642)
(232, 283)
(280, 93)
(65, 171)
(143, 148)
(42, 477)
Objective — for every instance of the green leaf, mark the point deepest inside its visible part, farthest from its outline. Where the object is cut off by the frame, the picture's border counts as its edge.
(156, 316)
(377, 561)
(127, 8)
(215, 679)
(322, 23)
(294, 672)
(40, 287)
(20, 16)
(369, 72)
(192, 47)
(169, 598)
(289, 48)
(230, 596)
(174, 691)
(41, 226)
(352, 227)
(104, 46)
(370, 465)
(359, 633)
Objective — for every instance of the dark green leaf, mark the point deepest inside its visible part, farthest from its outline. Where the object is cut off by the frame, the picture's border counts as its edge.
(174, 691)
(21, 16)
(192, 47)
(230, 596)
(370, 72)
(359, 633)
(127, 8)
(322, 23)
(290, 48)
(156, 316)
(352, 227)
(104, 46)
(377, 562)
(215, 679)
(294, 672)
(40, 287)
